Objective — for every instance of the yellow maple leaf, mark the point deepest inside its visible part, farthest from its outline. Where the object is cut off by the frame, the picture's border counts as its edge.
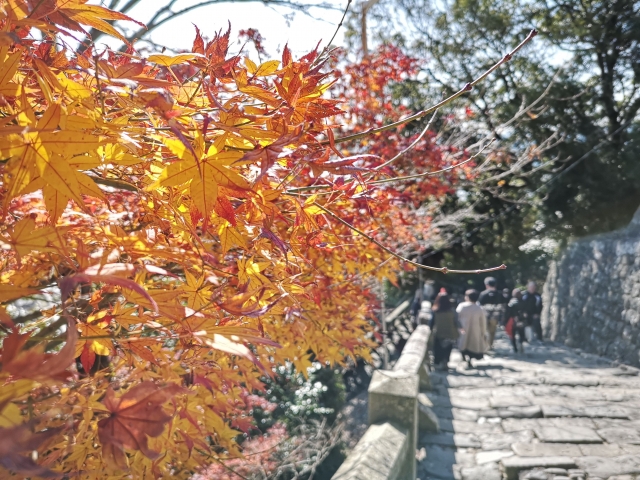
(25, 237)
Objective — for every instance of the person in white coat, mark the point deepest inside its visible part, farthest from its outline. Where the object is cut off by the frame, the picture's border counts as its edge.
(473, 321)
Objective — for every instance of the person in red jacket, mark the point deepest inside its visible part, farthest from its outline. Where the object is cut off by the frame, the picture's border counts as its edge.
(515, 322)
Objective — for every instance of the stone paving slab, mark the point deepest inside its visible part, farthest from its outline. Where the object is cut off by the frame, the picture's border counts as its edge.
(620, 435)
(512, 466)
(567, 435)
(584, 422)
(546, 449)
(513, 416)
(456, 414)
(503, 441)
(470, 392)
(585, 411)
(609, 466)
(613, 423)
(462, 403)
(492, 456)
(519, 381)
(572, 381)
(516, 424)
(463, 440)
(509, 401)
(468, 381)
(488, 472)
(592, 450)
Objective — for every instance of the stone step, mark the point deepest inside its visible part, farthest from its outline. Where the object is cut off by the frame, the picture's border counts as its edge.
(546, 415)
(512, 466)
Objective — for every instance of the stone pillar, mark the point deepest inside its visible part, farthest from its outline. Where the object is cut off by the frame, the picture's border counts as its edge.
(393, 397)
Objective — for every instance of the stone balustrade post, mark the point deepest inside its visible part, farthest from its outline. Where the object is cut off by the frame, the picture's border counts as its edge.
(397, 411)
(393, 398)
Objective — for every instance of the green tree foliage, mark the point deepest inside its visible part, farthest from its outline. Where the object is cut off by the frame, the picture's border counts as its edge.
(587, 60)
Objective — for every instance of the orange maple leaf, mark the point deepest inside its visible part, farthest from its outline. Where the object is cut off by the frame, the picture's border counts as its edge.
(135, 416)
(34, 363)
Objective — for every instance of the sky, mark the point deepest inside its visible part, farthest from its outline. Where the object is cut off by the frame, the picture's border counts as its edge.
(277, 25)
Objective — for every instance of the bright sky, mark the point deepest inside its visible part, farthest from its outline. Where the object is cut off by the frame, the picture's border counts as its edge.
(278, 25)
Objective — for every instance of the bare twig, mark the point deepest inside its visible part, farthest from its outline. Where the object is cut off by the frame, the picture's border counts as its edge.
(328, 45)
(415, 142)
(435, 172)
(400, 257)
(444, 102)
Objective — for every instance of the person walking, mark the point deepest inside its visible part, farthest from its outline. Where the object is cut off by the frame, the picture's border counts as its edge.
(532, 308)
(444, 327)
(506, 293)
(494, 305)
(473, 322)
(515, 322)
(421, 305)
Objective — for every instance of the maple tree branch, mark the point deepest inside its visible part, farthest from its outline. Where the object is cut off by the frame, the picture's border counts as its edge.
(413, 144)
(156, 21)
(435, 172)
(216, 459)
(400, 257)
(434, 108)
(326, 48)
(296, 191)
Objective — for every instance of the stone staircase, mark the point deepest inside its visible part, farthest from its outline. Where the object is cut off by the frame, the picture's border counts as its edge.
(550, 414)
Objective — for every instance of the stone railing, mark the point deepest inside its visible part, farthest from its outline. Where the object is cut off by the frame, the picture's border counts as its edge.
(397, 411)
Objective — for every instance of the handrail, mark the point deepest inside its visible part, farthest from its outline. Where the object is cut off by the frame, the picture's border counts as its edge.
(397, 410)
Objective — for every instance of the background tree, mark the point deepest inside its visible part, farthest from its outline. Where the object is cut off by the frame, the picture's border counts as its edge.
(587, 62)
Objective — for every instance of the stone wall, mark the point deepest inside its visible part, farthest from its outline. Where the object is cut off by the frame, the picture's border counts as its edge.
(592, 295)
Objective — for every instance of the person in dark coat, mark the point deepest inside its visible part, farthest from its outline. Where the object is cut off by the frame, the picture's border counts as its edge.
(506, 293)
(445, 328)
(532, 308)
(515, 321)
(494, 305)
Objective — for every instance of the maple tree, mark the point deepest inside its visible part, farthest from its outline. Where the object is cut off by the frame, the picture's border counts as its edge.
(202, 225)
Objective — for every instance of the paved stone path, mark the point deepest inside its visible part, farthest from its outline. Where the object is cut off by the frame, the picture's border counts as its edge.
(550, 414)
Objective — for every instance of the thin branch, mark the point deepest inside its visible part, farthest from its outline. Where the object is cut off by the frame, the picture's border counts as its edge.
(527, 197)
(444, 102)
(326, 48)
(296, 191)
(428, 174)
(156, 21)
(415, 142)
(399, 257)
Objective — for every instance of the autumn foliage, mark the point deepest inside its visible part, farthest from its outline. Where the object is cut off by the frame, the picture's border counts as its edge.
(201, 225)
